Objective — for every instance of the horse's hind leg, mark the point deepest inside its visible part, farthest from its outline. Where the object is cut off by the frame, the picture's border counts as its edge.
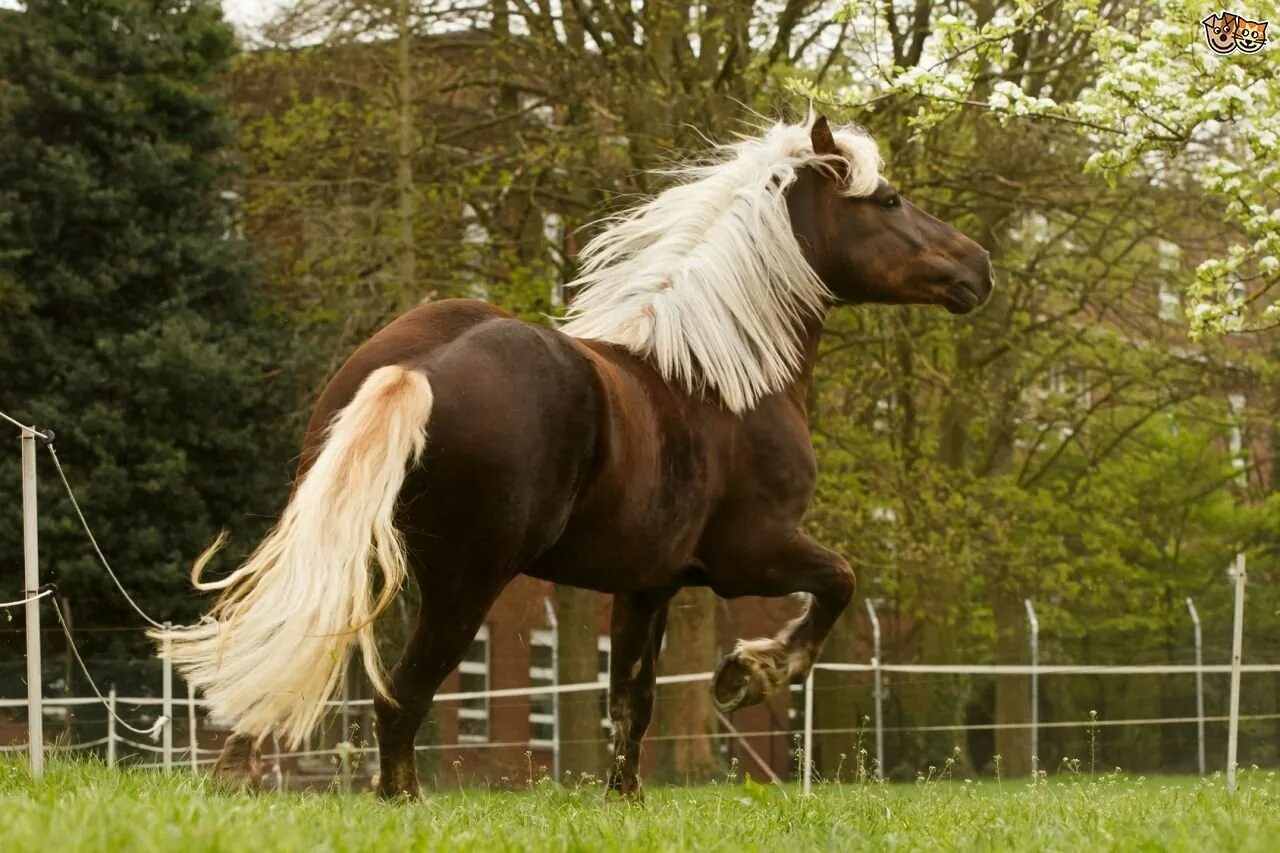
(240, 763)
(637, 625)
(448, 618)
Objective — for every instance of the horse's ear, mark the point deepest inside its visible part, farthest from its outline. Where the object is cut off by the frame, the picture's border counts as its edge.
(824, 145)
(820, 135)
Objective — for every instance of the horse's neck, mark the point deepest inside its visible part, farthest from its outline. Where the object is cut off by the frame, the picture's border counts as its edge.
(810, 338)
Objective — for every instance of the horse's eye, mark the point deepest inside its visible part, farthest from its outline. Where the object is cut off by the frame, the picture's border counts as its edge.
(893, 201)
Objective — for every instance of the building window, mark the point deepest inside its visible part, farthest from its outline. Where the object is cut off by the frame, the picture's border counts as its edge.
(473, 232)
(880, 422)
(542, 673)
(1235, 434)
(553, 236)
(795, 706)
(475, 251)
(542, 721)
(473, 677)
(604, 649)
(1169, 261)
(1170, 303)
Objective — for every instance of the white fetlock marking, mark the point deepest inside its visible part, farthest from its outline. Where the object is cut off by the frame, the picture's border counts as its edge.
(766, 658)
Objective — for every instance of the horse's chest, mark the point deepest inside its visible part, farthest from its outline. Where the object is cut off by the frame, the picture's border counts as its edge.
(776, 479)
(775, 469)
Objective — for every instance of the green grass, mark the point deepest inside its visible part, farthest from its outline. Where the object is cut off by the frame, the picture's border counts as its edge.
(85, 806)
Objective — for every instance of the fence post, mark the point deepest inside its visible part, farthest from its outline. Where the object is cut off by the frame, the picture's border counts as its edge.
(1195, 624)
(192, 734)
(1237, 643)
(346, 699)
(806, 772)
(879, 696)
(111, 726)
(31, 584)
(167, 699)
(554, 624)
(1034, 625)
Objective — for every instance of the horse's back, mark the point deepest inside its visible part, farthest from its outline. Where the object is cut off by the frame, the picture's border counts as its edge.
(512, 433)
(406, 340)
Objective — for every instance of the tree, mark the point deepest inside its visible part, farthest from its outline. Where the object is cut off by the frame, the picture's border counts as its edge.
(965, 464)
(1160, 107)
(983, 442)
(682, 712)
(128, 319)
(582, 749)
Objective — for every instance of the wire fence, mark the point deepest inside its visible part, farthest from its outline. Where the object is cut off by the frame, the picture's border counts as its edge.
(157, 730)
(194, 744)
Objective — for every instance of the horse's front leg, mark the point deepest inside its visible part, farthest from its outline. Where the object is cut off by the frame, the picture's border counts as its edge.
(757, 668)
(637, 624)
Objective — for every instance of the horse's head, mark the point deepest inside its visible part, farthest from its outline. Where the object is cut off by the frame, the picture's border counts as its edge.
(879, 247)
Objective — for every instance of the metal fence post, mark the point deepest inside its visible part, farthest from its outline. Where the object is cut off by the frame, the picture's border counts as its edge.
(167, 700)
(31, 584)
(554, 624)
(346, 699)
(111, 726)
(807, 770)
(1195, 624)
(1237, 643)
(192, 734)
(877, 691)
(1034, 625)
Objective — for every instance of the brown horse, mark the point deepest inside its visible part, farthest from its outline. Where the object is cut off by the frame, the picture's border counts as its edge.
(658, 440)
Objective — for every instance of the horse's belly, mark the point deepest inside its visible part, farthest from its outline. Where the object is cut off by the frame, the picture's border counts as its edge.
(609, 563)
(626, 547)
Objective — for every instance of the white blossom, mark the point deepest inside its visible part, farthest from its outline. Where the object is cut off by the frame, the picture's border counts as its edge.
(1205, 120)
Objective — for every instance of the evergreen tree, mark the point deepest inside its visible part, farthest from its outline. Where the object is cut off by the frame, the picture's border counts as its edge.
(128, 321)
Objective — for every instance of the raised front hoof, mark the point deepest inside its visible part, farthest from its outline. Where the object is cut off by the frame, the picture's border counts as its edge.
(735, 685)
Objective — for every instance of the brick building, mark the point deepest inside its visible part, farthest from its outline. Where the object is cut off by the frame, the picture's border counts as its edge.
(514, 650)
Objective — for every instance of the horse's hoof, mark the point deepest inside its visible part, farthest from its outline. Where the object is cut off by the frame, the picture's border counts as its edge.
(730, 685)
(393, 787)
(391, 795)
(622, 794)
(234, 782)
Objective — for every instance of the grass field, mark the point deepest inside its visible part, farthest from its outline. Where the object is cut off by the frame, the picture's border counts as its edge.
(89, 807)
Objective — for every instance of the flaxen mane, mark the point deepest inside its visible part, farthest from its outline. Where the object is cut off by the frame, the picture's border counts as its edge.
(707, 279)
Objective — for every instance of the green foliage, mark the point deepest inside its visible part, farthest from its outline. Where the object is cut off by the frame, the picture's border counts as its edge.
(128, 318)
(122, 809)
(1066, 444)
(1158, 107)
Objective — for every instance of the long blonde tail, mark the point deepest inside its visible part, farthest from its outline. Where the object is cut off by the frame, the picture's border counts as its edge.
(275, 650)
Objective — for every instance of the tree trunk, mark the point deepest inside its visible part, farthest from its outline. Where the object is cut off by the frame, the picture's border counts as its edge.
(684, 712)
(582, 748)
(1013, 692)
(930, 702)
(406, 250)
